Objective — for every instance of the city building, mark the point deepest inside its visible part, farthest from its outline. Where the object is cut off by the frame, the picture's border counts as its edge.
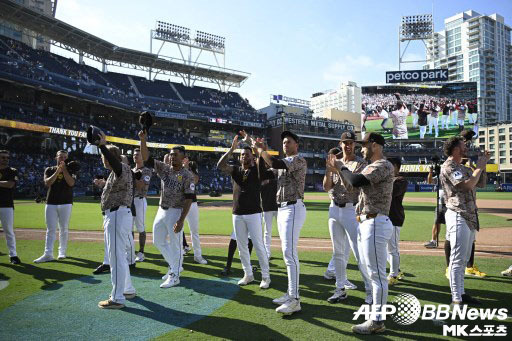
(347, 98)
(31, 38)
(498, 140)
(477, 48)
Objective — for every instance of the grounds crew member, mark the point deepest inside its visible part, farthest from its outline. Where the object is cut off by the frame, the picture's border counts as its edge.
(343, 225)
(291, 213)
(140, 201)
(459, 183)
(247, 211)
(177, 191)
(397, 217)
(8, 179)
(116, 201)
(375, 227)
(60, 180)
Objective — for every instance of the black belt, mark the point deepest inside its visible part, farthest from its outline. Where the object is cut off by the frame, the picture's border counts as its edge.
(341, 205)
(287, 203)
(141, 197)
(164, 208)
(113, 209)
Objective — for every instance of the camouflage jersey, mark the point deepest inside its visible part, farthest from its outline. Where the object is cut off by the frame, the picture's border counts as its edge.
(175, 185)
(375, 197)
(340, 192)
(291, 181)
(118, 191)
(146, 177)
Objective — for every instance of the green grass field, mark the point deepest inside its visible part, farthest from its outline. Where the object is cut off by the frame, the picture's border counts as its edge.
(413, 133)
(419, 216)
(249, 315)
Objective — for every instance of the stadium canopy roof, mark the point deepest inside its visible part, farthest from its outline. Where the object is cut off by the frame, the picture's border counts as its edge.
(75, 40)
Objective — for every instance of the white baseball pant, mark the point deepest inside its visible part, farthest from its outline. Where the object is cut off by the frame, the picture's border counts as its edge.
(414, 119)
(130, 249)
(343, 228)
(461, 239)
(460, 122)
(245, 225)
(193, 225)
(434, 121)
(289, 223)
(373, 238)
(454, 117)
(445, 124)
(141, 206)
(171, 249)
(394, 252)
(57, 214)
(118, 225)
(7, 221)
(423, 130)
(268, 218)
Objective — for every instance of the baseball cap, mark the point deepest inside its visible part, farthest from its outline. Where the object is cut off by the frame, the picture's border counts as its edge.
(348, 135)
(373, 137)
(288, 133)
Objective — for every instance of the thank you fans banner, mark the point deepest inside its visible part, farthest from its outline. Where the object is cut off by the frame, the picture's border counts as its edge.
(417, 76)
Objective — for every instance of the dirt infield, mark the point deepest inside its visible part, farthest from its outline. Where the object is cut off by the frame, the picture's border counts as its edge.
(494, 242)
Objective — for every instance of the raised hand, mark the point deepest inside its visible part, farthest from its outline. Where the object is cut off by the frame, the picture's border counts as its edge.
(142, 135)
(234, 144)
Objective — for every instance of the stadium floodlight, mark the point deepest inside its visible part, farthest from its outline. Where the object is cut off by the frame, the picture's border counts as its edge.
(416, 27)
(171, 32)
(211, 41)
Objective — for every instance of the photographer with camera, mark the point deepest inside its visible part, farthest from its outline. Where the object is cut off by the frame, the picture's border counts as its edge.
(60, 180)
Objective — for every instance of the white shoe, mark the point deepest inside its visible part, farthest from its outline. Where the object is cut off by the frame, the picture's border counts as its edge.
(186, 249)
(246, 280)
(329, 274)
(200, 260)
(281, 300)
(62, 256)
(289, 307)
(44, 258)
(339, 295)
(369, 298)
(369, 327)
(164, 277)
(349, 285)
(171, 281)
(140, 257)
(265, 283)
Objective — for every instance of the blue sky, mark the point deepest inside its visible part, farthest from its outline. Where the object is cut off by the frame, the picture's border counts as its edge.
(294, 48)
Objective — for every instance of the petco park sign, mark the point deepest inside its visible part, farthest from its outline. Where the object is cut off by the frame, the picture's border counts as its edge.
(416, 76)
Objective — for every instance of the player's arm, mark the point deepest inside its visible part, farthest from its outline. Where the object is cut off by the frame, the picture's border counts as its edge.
(399, 187)
(189, 189)
(49, 180)
(144, 152)
(472, 181)
(354, 180)
(223, 161)
(430, 176)
(70, 180)
(114, 163)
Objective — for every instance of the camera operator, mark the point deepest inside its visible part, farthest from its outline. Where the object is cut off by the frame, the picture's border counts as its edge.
(459, 183)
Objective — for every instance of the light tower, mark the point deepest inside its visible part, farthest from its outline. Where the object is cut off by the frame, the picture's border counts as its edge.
(414, 28)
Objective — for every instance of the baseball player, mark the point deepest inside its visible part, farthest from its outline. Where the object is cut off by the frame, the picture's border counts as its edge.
(8, 179)
(459, 183)
(177, 191)
(269, 205)
(116, 200)
(375, 227)
(193, 215)
(291, 213)
(130, 246)
(439, 213)
(399, 118)
(59, 202)
(342, 217)
(397, 217)
(231, 252)
(139, 200)
(247, 218)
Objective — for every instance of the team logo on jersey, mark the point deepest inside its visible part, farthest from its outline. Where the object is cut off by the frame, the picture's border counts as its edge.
(60, 176)
(457, 175)
(180, 177)
(147, 178)
(192, 187)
